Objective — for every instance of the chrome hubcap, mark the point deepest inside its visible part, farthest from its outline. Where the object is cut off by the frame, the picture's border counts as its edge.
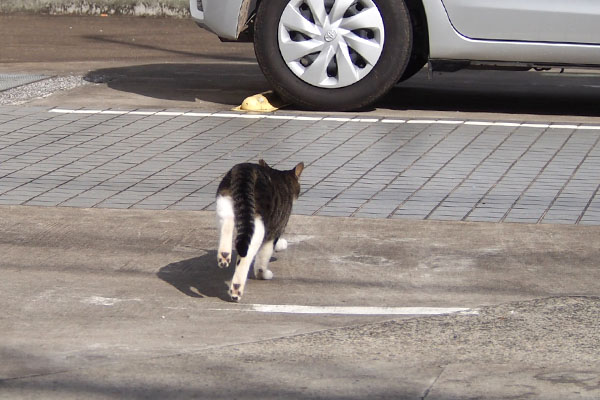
(331, 43)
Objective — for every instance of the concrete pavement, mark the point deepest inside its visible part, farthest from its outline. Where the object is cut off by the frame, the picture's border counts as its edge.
(129, 304)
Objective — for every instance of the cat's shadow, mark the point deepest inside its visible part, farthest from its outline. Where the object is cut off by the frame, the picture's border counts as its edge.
(198, 276)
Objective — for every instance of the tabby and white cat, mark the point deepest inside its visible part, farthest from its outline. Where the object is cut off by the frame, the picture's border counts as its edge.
(255, 200)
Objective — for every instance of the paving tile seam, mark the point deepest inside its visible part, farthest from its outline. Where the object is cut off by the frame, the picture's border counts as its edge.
(470, 174)
(509, 168)
(274, 145)
(577, 126)
(537, 176)
(79, 159)
(37, 122)
(50, 156)
(438, 170)
(134, 165)
(350, 159)
(568, 180)
(300, 130)
(408, 167)
(155, 173)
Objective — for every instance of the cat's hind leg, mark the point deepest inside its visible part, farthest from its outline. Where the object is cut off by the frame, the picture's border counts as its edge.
(261, 263)
(280, 244)
(236, 289)
(226, 222)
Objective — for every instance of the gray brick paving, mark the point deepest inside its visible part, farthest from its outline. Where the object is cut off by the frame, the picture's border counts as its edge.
(523, 173)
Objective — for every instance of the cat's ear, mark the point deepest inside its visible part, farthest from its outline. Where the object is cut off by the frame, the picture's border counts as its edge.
(263, 163)
(298, 169)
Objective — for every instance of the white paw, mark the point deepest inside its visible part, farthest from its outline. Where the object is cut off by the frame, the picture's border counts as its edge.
(264, 274)
(235, 292)
(281, 245)
(223, 259)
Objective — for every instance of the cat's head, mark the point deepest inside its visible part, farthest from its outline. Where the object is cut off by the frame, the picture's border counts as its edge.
(293, 175)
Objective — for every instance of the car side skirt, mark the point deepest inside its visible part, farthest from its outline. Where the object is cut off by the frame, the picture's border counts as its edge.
(445, 43)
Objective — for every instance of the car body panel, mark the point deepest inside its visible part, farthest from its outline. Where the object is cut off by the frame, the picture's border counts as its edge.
(487, 31)
(225, 18)
(558, 21)
(445, 42)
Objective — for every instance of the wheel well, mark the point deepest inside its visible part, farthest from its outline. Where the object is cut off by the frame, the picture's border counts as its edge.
(420, 49)
(419, 23)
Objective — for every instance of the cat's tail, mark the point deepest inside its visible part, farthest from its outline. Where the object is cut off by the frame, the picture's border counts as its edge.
(242, 189)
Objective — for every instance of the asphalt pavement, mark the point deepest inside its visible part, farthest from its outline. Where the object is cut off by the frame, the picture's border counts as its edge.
(111, 288)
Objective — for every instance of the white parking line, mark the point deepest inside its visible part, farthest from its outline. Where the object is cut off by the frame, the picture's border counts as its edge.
(479, 123)
(197, 114)
(114, 112)
(140, 113)
(169, 113)
(421, 121)
(509, 124)
(556, 126)
(347, 310)
(338, 119)
(371, 120)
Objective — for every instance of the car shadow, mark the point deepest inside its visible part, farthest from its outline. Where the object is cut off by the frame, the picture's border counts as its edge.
(198, 277)
(509, 92)
(219, 82)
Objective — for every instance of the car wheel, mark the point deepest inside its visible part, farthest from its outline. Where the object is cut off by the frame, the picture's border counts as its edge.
(332, 54)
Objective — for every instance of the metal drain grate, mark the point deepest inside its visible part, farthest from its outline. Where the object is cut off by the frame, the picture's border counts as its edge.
(9, 81)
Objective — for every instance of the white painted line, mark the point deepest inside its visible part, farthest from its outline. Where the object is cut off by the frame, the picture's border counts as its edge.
(228, 115)
(301, 118)
(421, 121)
(87, 111)
(564, 127)
(142, 112)
(67, 111)
(535, 125)
(105, 301)
(510, 124)
(251, 116)
(221, 115)
(170, 113)
(196, 114)
(288, 117)
(337, 119)
(344, 310)
(449, 122)
(479, 123)
(340, 119)
(114, 112)
(371, 120)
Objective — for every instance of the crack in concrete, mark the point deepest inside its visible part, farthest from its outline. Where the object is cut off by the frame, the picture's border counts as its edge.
(428, 390)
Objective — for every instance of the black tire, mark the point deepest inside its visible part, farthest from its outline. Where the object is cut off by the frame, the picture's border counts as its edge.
(385, 74)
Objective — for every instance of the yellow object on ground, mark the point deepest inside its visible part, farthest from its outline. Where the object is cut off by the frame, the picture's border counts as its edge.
(267, 101)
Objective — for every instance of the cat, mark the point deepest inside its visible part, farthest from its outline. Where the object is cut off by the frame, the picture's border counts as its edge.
(256, 201)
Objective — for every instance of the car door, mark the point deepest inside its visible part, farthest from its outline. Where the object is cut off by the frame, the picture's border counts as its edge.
(558, 21)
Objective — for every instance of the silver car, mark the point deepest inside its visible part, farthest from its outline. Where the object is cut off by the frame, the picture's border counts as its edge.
(345, 54)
